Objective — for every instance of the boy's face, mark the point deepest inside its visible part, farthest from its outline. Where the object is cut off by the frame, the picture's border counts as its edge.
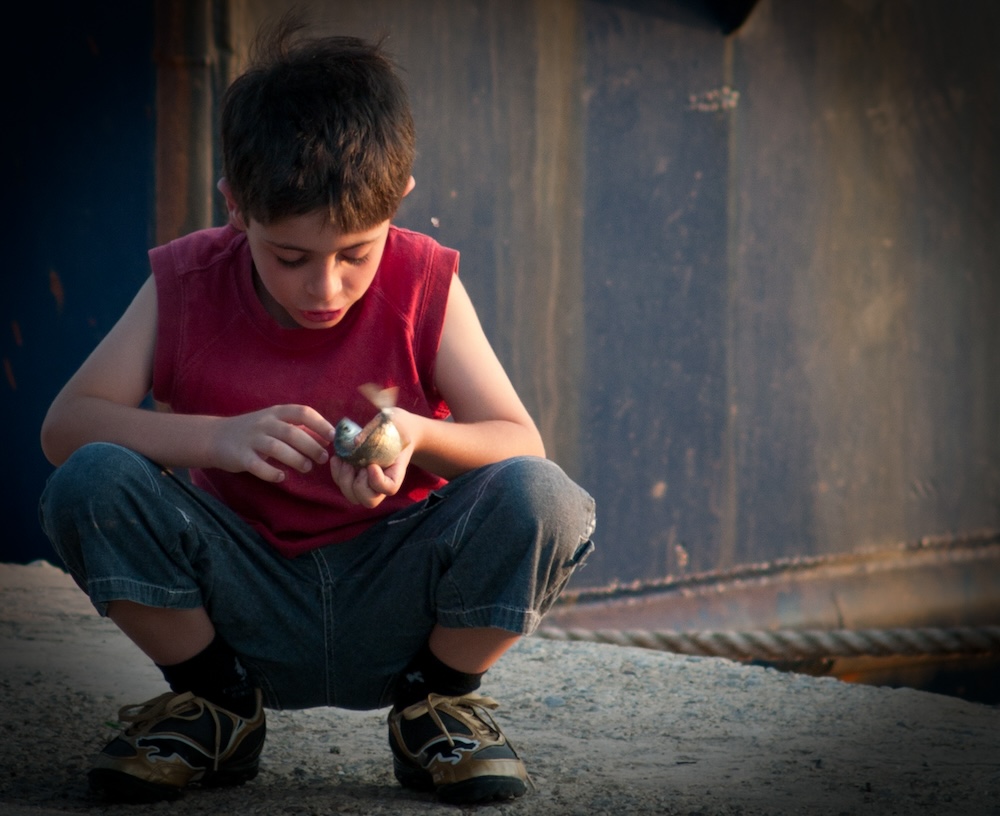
(308, 273)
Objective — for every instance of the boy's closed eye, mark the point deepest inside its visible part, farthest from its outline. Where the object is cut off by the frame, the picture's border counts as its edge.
(291, 263)
(294, 263)
(357, 260)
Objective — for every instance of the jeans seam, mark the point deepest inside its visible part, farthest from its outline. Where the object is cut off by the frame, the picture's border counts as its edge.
(329, 639)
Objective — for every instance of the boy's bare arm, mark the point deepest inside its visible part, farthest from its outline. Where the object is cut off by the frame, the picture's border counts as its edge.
(100, 404)
(491, 423)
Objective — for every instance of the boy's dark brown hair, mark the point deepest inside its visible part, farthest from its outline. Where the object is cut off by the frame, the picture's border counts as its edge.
(314, 124)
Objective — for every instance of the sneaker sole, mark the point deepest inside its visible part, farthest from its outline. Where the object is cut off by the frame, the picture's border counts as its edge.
(469, 791)
(482, 789)
(118, 786)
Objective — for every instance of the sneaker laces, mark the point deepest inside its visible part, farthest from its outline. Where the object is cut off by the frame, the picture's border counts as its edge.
(140, 717)
(479, 706)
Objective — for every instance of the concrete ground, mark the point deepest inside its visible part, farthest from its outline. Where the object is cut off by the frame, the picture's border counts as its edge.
(603, 729)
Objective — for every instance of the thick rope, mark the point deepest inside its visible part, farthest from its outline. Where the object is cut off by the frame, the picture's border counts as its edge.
(790, 644)
(983, 544)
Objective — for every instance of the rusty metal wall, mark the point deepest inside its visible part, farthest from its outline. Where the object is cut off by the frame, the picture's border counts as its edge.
(559, 152)
(77, 167)
(863, 276)
(746, 283)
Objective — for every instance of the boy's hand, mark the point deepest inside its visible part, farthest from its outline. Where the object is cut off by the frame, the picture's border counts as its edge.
(292, 435)
(368, 486)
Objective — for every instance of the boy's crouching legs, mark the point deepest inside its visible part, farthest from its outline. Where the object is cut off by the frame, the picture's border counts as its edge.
(118, 521)
(526, 531)
(106, 512)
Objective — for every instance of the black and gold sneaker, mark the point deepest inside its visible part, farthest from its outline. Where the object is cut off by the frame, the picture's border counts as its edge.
(452, 745)
(173, 741)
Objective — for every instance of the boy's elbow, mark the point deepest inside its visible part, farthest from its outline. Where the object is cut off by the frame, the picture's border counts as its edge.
(51, 441)
(48, 446)
(535, 445)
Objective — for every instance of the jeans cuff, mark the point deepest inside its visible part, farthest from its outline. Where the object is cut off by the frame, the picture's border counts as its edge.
(518, 621)
(104, 590)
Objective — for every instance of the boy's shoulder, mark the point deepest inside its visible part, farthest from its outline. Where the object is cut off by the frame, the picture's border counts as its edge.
(200, 249)
(403, 243)
(414, 260)
(404, 234)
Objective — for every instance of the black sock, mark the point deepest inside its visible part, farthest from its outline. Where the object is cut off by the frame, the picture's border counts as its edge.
(217, 675)
(425, 674)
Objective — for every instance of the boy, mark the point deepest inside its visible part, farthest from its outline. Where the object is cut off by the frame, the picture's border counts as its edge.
(282, 575)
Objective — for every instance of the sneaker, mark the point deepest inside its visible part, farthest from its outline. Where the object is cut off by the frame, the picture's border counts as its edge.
(175, 740)
(452, 745)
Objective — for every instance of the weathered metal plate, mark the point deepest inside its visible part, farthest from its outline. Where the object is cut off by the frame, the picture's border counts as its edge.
(930, 583)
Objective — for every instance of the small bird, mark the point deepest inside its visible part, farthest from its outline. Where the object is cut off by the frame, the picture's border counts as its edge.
(379, 442)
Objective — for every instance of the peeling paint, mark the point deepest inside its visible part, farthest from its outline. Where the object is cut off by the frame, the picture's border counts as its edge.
(56, 288)
(724, 98)
(9, 371)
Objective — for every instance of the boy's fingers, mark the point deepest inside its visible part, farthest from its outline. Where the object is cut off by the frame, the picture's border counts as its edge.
(354, 484)
(293, 442)
(344, 476)
(306, 444)
(312, 420)
(287, 453)
(379, 480)
(366, 494)
(268, 473)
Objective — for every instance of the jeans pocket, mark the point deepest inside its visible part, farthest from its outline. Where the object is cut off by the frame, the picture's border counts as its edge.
(586, 548)
(413, 511)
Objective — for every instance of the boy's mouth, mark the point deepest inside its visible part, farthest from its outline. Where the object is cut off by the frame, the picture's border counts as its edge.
(322, 317)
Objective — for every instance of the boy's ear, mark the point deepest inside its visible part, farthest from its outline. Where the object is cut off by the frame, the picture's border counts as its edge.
(409, 186)
(235, 217)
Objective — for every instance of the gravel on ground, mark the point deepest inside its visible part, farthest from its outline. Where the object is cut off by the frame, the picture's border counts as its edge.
(603, 730)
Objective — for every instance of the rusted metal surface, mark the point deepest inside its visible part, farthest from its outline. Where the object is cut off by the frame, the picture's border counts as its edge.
(879, 595)
(932, 582)
(746, 283)
(190, 75)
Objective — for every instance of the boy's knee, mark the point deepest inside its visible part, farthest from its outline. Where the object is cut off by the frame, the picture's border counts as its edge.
(96, 470)
(93, 460)
(100, 496)
(545, 490)
(538, 492)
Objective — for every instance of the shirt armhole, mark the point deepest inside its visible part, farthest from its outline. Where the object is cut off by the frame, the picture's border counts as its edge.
(168, 303)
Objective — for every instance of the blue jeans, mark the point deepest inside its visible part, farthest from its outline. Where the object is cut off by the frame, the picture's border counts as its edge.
(493, 548)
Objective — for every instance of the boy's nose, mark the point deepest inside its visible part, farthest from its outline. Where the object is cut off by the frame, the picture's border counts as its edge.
(326, 284)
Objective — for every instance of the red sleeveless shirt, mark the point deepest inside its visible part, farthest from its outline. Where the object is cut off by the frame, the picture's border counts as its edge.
(218, 352)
